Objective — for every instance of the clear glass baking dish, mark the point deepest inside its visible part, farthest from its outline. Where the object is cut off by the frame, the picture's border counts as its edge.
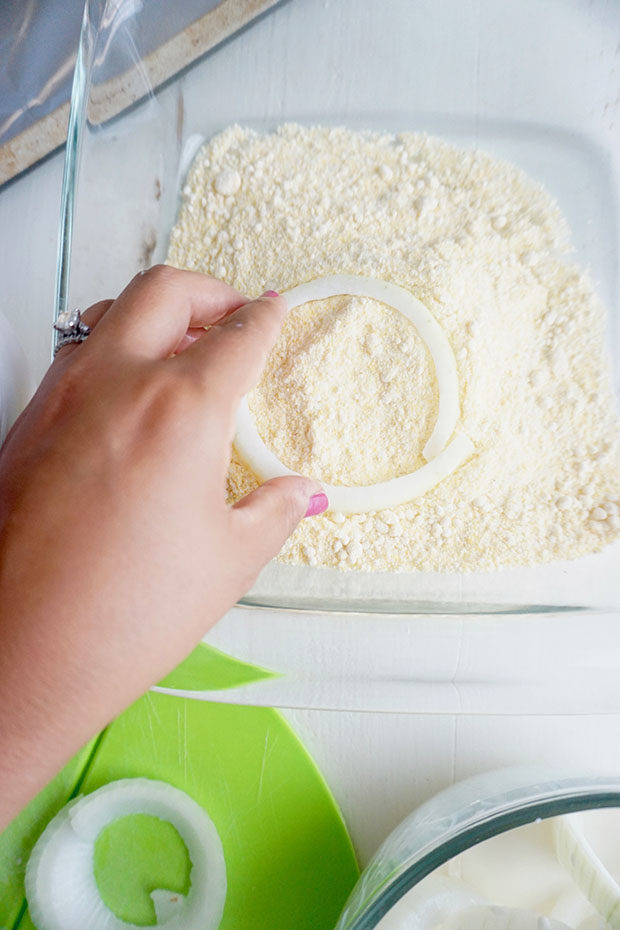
(532, 81)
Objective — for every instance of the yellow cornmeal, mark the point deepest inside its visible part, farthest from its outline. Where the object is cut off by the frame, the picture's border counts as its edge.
(349, 394)
(395, 392)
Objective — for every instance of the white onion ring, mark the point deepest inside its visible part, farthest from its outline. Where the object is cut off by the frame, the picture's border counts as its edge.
(60, 884)
(442, 459)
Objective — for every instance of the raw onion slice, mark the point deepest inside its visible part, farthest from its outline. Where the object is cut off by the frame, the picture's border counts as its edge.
(60, 884)
(493, 917)
(354, 498)
(575, 848)
(442, 459)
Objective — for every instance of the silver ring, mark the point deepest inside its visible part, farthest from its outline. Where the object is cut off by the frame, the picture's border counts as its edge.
(69, 325)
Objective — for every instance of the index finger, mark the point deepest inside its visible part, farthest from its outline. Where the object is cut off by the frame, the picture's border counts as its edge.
(153, 313)
(230, 357)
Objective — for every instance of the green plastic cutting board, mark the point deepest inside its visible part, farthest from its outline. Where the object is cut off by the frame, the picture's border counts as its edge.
(289, 860)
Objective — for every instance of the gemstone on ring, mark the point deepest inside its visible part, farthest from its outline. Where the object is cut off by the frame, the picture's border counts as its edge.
(69, 325)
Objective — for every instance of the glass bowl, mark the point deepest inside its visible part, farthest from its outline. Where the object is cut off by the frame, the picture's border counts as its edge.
(460, 817)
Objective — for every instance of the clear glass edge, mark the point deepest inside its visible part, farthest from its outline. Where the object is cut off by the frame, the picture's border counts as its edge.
(411, 608)
(79, 97)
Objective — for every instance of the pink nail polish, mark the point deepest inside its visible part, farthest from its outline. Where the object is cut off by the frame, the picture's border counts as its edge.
(318, 503)
(271, 294)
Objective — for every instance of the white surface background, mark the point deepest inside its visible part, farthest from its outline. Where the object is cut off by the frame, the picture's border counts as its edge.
(379, 765)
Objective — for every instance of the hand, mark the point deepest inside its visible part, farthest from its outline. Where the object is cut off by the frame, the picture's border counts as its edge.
(117, 548)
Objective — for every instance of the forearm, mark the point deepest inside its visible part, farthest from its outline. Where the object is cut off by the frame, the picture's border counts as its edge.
(44, 718)
(64, 675)
(83, 634)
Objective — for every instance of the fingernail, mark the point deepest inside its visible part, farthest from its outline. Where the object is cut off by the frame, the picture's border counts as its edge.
(318, 503)
(185, 342)
(271, 294)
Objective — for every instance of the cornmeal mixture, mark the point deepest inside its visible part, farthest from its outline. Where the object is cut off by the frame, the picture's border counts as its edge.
(349, 395)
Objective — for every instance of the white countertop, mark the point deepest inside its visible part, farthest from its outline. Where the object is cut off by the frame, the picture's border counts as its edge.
(379, 765)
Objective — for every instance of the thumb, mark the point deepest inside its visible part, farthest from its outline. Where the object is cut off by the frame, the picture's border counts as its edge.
(265, 518)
